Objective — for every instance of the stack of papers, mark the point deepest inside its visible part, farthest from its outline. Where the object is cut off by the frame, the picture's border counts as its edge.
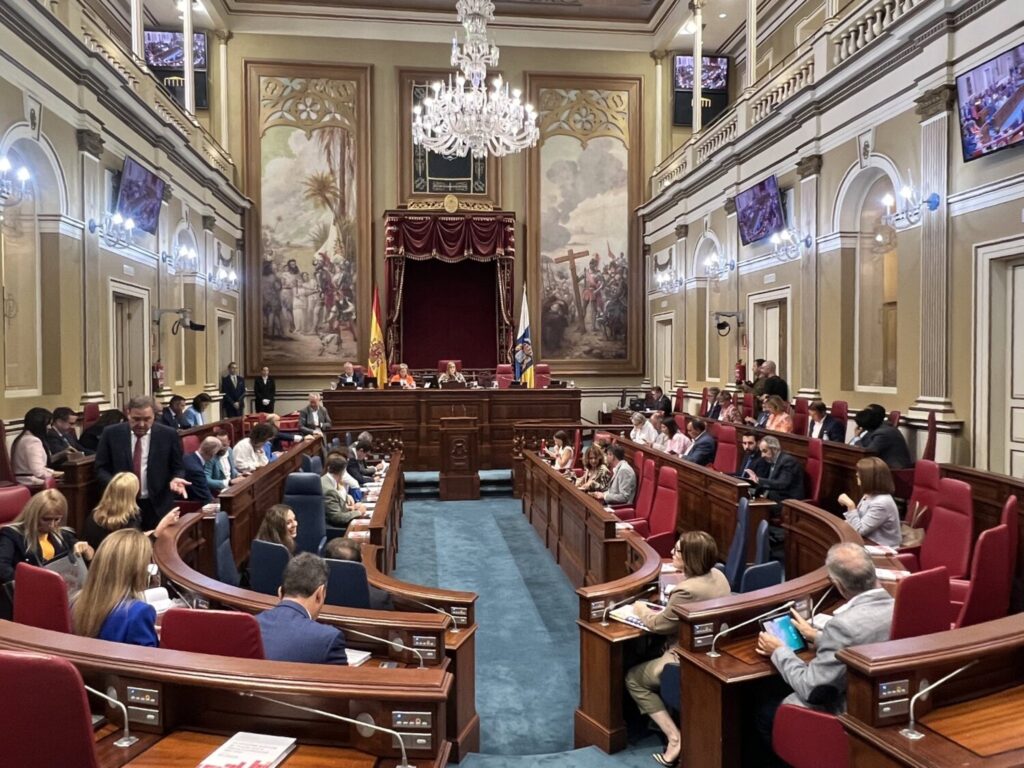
(363, 533)
(250, 749)
(626, 615)
(620, 526)
(887, 574)
(356, 657)
(879, 550)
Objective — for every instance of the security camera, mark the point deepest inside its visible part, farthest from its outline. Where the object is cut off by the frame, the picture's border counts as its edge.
(190, 325)
(183, 322)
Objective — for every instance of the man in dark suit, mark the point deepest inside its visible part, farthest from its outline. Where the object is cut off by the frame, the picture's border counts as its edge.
(289, 629)
(824, 426)
(658, 401)
(61, 435)
(714, 408)
(357, 453)
(773, 383)
(341, 548)
(702, 449)
(880, 436)
(752, 459)
(195, 469)
(349, 375)
(785, 478)
(264, 391)
(232, 387)
(173, 415)
(313, 419)
(152, 452)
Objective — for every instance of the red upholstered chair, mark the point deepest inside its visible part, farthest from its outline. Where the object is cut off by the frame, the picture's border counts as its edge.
(922, 604)
(393, 369)
(926, 491)
(290, 423)
(813, 469)
(948, 541)
(41, 598)
(660, 527)
(681, 420)
(799, 423)
(189, 444)
(840, 410)
(807, 738)
(748, 404)
(442, 365)
(802, 405)
(703, 401)
(6, 473)
(41, 691)
(1011, 519)
(712, 426)
(988, 593)
(221, 633)
(90, 414)
(894, 418)
(504, 374)
(577, 449)
(726, 455)
(12, 499)
(541, 375)
(640, 510)
(680, 400)
(929, 444)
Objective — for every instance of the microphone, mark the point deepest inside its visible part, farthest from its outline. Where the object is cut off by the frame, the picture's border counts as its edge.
(392, 643)
(630, 599)
(781, 609)
(127, 740)
(821, 600)
(910, 732)
(179, 593)
(351, 721)
(455, 624)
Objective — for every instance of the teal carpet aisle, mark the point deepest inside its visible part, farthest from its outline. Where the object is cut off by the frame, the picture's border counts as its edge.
(527, 649)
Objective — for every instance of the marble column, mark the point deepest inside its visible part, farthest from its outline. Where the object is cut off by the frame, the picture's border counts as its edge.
(698, 53)
(682, 232)
(659, 104)
(809, 171)
(90, 153)
(189, 64)
(223, 36)
(138, 28)
(751, 44)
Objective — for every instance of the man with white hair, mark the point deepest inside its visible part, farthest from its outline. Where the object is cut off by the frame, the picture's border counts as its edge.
(313, 419)
(198, 469)
(642, 432)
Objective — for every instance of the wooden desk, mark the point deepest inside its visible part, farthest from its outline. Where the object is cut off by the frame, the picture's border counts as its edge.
(232, 426)
(186, 749)
(419, 412)
(460, 458)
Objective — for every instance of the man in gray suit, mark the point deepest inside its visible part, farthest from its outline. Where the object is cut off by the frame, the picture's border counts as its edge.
(865, 618)
(622, 488)
(313, 419)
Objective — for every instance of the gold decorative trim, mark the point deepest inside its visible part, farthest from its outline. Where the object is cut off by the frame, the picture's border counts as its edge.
(443, 205)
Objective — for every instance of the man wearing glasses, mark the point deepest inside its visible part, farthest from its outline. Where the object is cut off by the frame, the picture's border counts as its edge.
(785, 479)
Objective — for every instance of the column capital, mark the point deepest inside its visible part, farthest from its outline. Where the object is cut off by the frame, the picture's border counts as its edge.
(223, 35)
(209, 222)
(89, 142)
(682, 230)
(168, 193)
(697, 5)
(646, 250)
(658, 56)
(809, 166)
(730, 205)
(936, 101)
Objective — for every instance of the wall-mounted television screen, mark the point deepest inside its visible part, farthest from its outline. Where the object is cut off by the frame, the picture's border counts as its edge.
(164, 50)
(714, 75)
(759, 211)
(991, 101)
(139, 195)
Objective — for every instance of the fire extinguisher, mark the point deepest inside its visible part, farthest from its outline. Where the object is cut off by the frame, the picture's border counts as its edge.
(158, 376)
(740, 372)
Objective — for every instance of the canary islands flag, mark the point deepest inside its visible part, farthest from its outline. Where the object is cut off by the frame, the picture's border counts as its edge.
(523, 353)
(378, 366)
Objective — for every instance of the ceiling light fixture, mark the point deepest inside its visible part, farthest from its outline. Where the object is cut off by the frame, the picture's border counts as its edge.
(688, 28)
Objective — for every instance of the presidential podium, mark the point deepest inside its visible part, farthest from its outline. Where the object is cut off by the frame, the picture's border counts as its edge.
(460, 458)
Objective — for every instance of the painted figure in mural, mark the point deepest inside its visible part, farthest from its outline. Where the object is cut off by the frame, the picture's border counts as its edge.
(289, 283)
(593, 296)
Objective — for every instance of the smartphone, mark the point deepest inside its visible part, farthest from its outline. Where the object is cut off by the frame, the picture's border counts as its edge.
(783, 629)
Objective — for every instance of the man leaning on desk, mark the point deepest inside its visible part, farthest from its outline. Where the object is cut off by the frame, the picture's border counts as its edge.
(622, 487)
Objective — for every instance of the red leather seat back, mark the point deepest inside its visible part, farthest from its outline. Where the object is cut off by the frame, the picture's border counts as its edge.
(41, 598)
(504, 374)
(681, 419)
(662, 518)
(948, 541)
(680, 400)
(712, 426)
(922, 604)
(1011, 519)
(747, 405)
(442, 365)
(541, 375)
(807, 738)
(929, 444)
(988, 594)
(926, 490)
(813, 468)
(645, 491)
(841, 411)
(799, 423)
(12, 499)
(90, 414)
(577, 445)
(703, 401)
(189, 444)
(726, 455)
(222, 633)
(42, 691)
(290, 423)
(802, 406)
(6, 473)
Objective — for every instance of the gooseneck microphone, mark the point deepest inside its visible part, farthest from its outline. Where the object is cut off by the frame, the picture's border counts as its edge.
(630, 599)
(351, 721)
(821, 600)
(179, 593)
(781, 609)
(392, 643)
(127, 739)
(455, 624)
(910, 732)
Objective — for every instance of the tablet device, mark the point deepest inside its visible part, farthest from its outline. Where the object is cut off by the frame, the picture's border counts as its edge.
(783, 628)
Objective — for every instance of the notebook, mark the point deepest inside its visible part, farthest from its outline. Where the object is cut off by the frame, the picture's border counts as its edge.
(625, 614)
(356, 657)
(252, 750)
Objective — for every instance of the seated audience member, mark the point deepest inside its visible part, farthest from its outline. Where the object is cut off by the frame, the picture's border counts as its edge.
(226, 456)
(882, 438)
(823, 425)
(675, 441)
(642, 432)
(216, 478)
(282, 439)
(368, 462)
(451, 373)
(752, 459)
(356, 454)
(313, 419)
(785, 479)
(279, 526)
(403, 377)
(90, 438)
(61, 436)
(729, 413)
(596, 475)
(865, 618)
(347, 549)
(38, 534)
(195, 414)
(119, 509)
(339, 508)
(174, 414)
(779, 419)
(761, 420)
(657, 401)
(714, 409)
(875, 516)
(249, 454)
(702, 449)
(561, 452)
(290, 630)
(622, 487)
(349, 482)
(196, 469)
(694, 555)
(30, 458)
(656, 420)
(110, 605)
(350, 376)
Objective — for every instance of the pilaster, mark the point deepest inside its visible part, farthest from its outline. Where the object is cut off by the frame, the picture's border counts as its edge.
(90, 152)
(809, 171)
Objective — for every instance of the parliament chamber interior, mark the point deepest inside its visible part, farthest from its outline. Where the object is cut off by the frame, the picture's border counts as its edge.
(512, 383)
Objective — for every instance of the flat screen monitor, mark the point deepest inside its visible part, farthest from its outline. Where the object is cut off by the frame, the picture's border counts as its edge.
(140, 193)
(714, 75)
(164, 49)
(991, 104)
(759, 211)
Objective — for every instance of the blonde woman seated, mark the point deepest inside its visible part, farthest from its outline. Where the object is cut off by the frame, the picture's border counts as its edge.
(279, 526)
(561, 453)
(596, 475)
(38, 534)
(110, 605)
(779, 419)
(695, 555)
(403, 377)
(118, 509)
(675, 441)
(875, 516)
(451, 374)
(642, 433)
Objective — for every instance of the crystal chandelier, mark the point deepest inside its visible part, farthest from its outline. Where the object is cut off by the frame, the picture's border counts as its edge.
(462, 115)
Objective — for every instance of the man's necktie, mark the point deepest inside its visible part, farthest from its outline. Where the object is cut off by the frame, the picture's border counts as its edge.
(137, 459)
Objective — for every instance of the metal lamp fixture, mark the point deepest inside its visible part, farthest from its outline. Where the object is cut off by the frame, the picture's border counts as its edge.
(12, 185)
(718, 267)
(223, 279)
(116, 230)
(184, 259)
(790, 244)
(667, 281)
(912, 203)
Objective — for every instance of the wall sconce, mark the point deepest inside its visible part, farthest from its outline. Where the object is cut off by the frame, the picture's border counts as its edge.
(912, 204)
(185, 259)
(12, 186)
(717, 267)
(115, 230)
(666, 281)
(789, 244)
(223, 279)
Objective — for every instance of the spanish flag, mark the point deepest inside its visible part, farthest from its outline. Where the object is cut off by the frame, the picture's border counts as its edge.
(378, 366)
(523, 353)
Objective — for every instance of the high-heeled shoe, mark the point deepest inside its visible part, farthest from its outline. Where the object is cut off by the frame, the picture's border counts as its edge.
(660, 759)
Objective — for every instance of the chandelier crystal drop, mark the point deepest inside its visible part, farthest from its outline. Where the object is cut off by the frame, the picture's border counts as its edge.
(462, 115)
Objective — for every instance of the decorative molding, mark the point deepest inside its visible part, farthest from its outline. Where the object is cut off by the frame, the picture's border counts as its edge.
(223, 35)
(682, 230)
(988, 195)
(646, 250)
(209, 222)
(89, 142)
(935, 102)
(730, 206)
(168, 193)
(658, 56)
(57, 224)
(837, 241)
(809, 166)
